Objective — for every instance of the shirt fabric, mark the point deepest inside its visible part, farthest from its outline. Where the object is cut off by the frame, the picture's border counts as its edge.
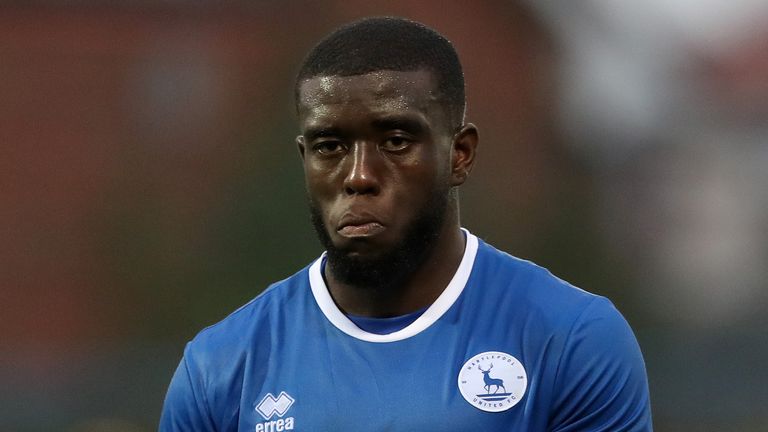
(507, 346)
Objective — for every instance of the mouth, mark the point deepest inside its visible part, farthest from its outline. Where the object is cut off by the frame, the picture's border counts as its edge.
(352, 226)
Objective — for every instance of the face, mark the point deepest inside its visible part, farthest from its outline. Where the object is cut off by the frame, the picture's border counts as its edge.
(380, 162)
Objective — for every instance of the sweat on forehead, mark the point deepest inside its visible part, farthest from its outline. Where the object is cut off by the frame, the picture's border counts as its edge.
(409, 87)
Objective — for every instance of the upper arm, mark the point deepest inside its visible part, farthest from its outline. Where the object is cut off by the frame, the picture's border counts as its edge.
(185, 408)
(601, 383)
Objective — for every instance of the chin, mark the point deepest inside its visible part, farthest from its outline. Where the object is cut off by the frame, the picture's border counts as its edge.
(386, 258)
(362, 249)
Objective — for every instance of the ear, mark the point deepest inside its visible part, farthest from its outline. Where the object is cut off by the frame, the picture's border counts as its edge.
(301, 145)
(465, 143)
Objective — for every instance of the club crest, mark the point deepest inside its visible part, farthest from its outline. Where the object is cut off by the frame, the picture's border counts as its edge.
(493, 381)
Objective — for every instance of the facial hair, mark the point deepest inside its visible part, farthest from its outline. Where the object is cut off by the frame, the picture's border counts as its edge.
(390, 269)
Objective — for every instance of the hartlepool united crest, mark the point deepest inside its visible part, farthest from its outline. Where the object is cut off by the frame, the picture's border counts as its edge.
(493, 381)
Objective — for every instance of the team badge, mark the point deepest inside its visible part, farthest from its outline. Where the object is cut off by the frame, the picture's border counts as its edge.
(493, 381)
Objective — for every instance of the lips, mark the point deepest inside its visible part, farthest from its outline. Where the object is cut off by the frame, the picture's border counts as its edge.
(353, 226)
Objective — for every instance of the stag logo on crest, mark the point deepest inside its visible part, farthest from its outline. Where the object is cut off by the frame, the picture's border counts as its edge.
(489, 388)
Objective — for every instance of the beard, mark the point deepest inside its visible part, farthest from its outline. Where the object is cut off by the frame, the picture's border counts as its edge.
(392, 267)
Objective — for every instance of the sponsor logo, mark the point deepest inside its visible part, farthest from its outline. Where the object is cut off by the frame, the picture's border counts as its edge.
(493, 381)
(268, 407)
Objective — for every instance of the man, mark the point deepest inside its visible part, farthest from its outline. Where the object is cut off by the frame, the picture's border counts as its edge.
(407, 322)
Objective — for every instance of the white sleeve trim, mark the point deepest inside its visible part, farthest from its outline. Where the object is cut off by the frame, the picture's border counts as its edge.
(432, 314)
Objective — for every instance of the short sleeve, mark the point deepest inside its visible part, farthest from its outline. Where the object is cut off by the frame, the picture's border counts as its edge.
(184, 408)
(601, 382)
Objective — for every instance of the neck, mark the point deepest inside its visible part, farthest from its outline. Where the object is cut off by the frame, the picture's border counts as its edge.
(414, 291)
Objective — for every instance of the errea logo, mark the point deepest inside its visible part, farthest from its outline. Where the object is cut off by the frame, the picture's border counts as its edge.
(268, 407)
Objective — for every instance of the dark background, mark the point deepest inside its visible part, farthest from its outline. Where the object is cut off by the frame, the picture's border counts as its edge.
(150, 184)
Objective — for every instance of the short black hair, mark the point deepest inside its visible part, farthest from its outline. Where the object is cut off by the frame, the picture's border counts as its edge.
(389, 43)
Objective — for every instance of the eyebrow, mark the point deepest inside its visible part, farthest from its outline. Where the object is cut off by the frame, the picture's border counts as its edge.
(313, 133)
(412, 125)
(408, 124)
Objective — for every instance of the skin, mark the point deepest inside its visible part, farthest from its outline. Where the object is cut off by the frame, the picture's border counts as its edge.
(375, 148)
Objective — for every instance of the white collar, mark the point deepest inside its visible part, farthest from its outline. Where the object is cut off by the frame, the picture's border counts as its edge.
(432, 314)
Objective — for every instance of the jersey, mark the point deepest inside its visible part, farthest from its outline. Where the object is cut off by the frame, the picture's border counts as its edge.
(507, 346)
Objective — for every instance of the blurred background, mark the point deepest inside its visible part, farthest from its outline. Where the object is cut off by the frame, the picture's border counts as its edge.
(149, 183)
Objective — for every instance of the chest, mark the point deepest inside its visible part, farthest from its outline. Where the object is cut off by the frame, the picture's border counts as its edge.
(437, 381)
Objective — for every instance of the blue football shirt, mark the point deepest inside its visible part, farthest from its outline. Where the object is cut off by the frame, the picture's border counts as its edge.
(506, 347)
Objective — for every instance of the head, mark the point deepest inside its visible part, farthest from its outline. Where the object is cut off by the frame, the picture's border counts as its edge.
(384, 145)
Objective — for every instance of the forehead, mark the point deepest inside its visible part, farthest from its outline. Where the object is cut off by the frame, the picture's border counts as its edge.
(390, 91)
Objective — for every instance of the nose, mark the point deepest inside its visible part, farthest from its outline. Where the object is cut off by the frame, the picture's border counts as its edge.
(362, 177)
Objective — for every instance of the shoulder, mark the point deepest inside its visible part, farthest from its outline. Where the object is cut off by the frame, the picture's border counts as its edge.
(210, 376)
(530, 289)
(230, 337)
(544, 302)
(597, 370)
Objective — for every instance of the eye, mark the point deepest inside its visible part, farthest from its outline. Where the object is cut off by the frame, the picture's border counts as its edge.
(396, 143)
(328, 147)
